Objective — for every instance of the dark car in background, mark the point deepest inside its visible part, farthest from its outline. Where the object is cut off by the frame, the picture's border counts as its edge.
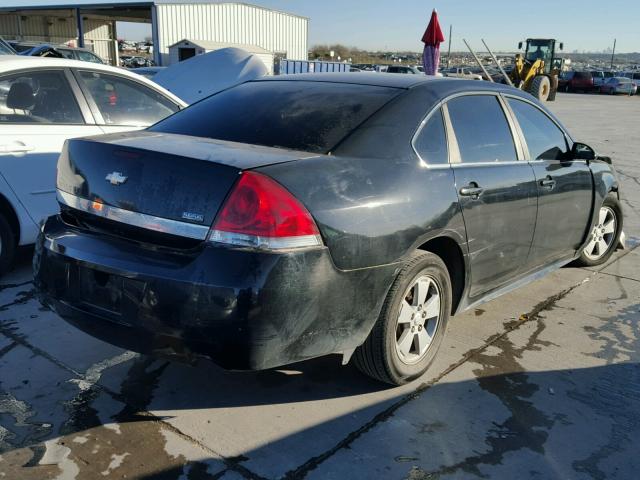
(580, 82)
(56, 51)
(5, 48)
(563, 80)
(299, 216)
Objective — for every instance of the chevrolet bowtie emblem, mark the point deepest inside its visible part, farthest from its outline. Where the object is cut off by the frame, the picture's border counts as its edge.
(116, 178)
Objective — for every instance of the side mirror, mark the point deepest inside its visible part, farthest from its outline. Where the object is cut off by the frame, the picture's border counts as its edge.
(561, 46)
(580, 151)
(520, 46)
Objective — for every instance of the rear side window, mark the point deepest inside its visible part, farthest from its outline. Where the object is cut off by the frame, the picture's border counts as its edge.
(544, 139)
(431, 143)
(124, 102)
(88, 57)
(481, 129)
(298, 115)
(38, 97)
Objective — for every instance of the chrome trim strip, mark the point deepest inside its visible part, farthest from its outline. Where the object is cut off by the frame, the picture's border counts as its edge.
(489, 164)
(136, 219)
(265, 243)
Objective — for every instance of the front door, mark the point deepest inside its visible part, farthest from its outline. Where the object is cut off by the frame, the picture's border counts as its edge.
(497, 193)
(565, 186)
(38, 112)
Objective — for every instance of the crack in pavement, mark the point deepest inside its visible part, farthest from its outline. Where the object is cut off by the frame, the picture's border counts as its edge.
(619, 276)
(82, 415)
(6, 286)
(607, 395)
(137, 408)
(533, 315)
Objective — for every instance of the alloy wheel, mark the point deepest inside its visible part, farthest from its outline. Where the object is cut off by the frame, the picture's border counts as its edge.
(418, 319)
(602, 235)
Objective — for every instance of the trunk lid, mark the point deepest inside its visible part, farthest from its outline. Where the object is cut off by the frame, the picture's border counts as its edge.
(174, 177)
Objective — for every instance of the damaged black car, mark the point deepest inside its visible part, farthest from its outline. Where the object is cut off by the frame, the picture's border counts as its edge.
(299, 216)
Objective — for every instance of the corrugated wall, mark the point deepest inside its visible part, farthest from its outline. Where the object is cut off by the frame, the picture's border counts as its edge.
(232, 23)
(59, 30)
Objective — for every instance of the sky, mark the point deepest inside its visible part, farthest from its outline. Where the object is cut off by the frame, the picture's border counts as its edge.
(587, 25)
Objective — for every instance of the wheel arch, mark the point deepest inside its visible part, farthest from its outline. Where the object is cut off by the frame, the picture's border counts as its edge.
(9, 213)
(452, 255)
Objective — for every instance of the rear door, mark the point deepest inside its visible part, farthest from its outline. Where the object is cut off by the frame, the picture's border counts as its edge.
(39, 110)
(121, 104)
(497, 192)
(565, 186)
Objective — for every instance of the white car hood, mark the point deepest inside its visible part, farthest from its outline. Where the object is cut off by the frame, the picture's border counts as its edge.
(204, 75)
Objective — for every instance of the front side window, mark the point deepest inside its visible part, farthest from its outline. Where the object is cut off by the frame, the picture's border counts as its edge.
(544, 139)
(124, 102)
(539, 50)
(431, 143)
(481, 129)
(293, 114)
(38, 97)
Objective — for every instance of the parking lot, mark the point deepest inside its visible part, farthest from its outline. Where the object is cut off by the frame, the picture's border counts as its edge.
(541, 383)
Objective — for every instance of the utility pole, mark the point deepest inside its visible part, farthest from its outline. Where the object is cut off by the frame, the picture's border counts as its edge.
(449, 52)
(613, 54)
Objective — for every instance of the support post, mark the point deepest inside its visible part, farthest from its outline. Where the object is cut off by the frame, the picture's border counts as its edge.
(504, 74)
(613, 54)
(80, 27)
(155, 37)
(478, 60)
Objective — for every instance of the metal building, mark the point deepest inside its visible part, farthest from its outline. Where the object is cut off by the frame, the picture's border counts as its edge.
(92, 23)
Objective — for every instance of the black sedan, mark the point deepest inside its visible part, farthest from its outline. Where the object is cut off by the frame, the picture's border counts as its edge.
(300, 216)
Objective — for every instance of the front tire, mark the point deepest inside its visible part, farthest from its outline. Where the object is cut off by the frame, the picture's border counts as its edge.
(411, 325)
(541, 88)
(605, 235)
(7, 246)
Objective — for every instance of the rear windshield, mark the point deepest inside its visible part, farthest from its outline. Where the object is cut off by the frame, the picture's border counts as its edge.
(297, 115)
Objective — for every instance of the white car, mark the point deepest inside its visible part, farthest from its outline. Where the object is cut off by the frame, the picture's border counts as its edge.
(462, 73)
(45, 101)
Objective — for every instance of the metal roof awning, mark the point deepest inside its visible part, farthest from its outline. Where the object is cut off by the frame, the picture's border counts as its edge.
(14, 5)
(54, 5)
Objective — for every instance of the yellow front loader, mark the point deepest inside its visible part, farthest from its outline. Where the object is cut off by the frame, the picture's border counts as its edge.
(538, 69)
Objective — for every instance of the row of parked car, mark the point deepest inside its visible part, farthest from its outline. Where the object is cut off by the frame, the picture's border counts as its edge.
(600, 81)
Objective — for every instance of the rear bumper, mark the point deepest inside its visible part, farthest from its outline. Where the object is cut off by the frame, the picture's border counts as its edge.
(243, 309)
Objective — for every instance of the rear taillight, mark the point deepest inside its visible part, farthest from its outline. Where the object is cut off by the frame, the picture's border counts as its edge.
(261, 213)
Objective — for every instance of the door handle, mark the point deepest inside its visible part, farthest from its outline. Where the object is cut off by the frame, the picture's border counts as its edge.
(472, 190)
(548, 183)
(16, 147)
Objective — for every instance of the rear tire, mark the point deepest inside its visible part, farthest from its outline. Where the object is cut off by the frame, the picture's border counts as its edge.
(603, 234)
(540, 88)
(408, 332)
(7, 246)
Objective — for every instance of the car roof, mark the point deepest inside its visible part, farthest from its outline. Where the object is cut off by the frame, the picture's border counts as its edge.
(9, 63)
(393, 80)
(367, 78)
